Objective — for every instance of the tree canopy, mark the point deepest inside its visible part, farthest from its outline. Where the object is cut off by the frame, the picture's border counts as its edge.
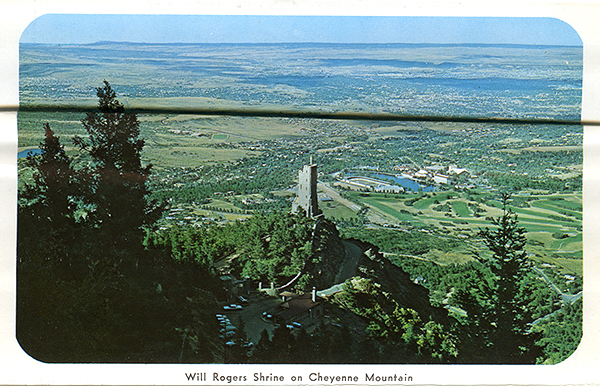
(81, 294)
(120, 194)
(498, 321)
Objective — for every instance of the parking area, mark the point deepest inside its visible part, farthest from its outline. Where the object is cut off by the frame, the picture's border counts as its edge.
(251, 314)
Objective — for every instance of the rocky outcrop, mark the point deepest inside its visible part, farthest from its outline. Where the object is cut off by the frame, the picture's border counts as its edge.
(328, 255)
(394, 280)
(336, 260)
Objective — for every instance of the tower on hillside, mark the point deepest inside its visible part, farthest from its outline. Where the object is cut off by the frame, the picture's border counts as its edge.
(306, 197)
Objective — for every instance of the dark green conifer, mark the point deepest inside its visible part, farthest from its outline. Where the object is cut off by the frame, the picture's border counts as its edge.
(498, 321)
(48, 206)
(120, 195)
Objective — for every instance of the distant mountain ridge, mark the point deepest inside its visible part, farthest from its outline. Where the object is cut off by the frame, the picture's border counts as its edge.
(502, 45)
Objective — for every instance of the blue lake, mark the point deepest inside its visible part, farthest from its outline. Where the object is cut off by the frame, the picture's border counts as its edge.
(407, 183)
(28, 152)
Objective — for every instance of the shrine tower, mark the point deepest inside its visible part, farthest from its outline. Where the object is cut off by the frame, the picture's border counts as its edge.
(306, 197)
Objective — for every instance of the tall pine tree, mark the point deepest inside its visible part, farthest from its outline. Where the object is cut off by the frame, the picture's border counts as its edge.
(79, 235)
(53, 189)
(498, 320)
(48, 206)
(48, 252)
(120, 194)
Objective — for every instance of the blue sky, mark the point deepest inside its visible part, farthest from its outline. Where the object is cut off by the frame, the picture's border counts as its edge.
(81, 29)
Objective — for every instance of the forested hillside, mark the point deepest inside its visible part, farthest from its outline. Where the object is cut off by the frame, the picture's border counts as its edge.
(87, 290)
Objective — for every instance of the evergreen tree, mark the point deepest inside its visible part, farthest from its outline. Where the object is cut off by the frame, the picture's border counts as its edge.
(238, 352)
(53, 285)
(52, 187)
(120, 194)
(48, 206)
(262, 353)
(76, 301)
(498, 315)
(561, 333)
(281, 345)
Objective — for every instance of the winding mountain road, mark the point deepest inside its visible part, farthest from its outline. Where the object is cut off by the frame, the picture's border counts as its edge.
(566, 298)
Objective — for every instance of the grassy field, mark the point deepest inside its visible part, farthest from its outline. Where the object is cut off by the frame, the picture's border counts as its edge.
(190, 140)
(173, 140)
(31, 127)
(337, 211)
(553, 222)
(191, 156)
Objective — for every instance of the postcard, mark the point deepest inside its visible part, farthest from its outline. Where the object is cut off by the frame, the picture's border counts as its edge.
(293, 195)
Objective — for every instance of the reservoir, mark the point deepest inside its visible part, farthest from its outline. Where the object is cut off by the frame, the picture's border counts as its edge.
(407, 183)
(28, 152)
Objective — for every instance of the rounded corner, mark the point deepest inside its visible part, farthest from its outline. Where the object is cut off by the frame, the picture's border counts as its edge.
(32, 28)
(574, 30)
(28, 353)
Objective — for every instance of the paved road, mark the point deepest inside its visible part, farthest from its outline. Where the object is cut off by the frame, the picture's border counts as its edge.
(456, 310)
(538, 320)
(566, 298)
(571, 298)
(331, 290)
(348, 269)
(251, 314)
(336, 196)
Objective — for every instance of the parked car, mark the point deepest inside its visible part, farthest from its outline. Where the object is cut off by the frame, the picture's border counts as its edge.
(247, 344)
(243, 300)
(228, 328)
(232, 307)
(227, 334)
(296, 325)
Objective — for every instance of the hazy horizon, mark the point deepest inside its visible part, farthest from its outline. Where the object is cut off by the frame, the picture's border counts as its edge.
(200, 29)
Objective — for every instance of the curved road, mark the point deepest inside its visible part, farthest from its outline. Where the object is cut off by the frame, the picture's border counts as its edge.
(566, 298)
(353, 254)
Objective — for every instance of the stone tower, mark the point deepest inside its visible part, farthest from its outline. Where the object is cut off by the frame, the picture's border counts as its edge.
(307, 190)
